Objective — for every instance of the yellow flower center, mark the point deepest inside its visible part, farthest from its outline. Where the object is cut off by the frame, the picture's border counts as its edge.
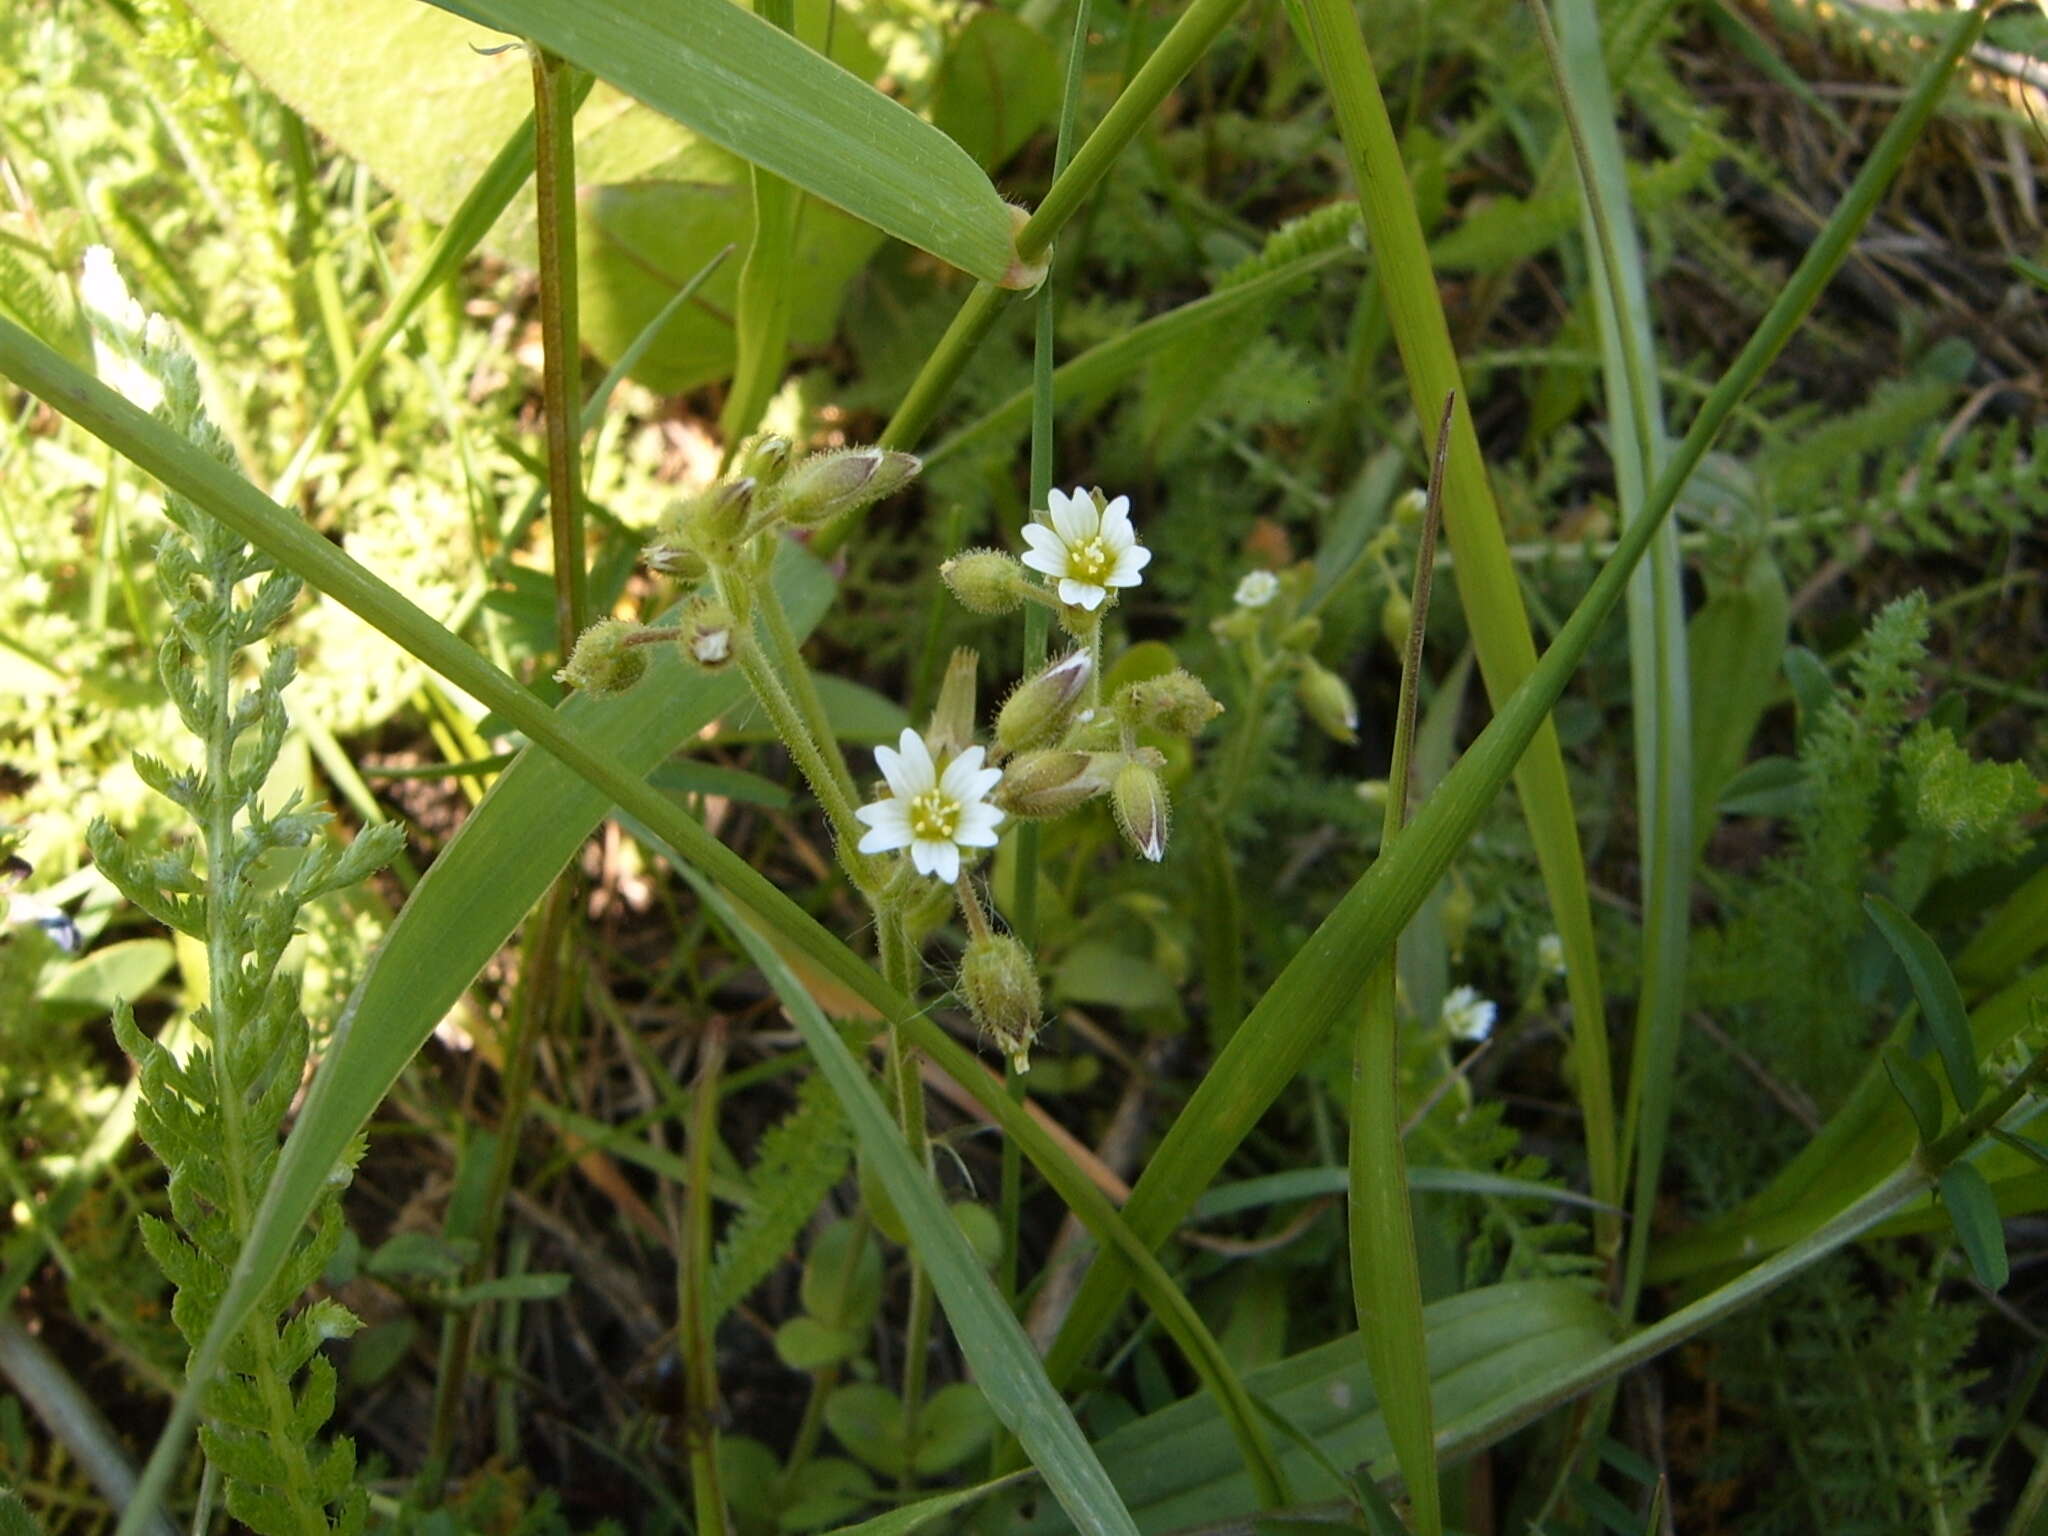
(934, 816)
(1090, 560)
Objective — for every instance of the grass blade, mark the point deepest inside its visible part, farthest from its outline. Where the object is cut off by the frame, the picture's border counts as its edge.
(1487, 588)
(1659, 676)
(740, 82)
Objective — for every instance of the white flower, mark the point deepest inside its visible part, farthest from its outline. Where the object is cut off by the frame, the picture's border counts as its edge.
(1085, 550)
(1467, 1015)
(119, 323)
(1550, 954)
(1257, 589)
(932, 814)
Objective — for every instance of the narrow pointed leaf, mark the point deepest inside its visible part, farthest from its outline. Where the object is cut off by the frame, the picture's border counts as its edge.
(1941, 1001)
(1917, 1090)
(1974, 1211)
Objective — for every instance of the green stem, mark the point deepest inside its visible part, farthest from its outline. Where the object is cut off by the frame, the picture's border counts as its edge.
(554, 181)
(788, 659)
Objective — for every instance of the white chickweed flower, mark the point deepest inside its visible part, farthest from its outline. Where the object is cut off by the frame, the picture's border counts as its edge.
(1257, 589)
(1084, 549)
(1550, 954)
(1467, 1015)
(932, 814)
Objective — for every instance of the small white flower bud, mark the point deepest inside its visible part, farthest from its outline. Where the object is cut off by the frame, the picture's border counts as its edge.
(1040, 707)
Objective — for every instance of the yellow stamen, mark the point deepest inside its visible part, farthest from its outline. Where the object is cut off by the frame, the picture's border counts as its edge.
(1090, 560)
(934, 816)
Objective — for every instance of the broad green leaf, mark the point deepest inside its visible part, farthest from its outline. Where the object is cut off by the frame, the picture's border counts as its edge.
(1974, 1211)
(998, 84)
(88, 987)
(1734, 643)
(743, 84)
(1941, 1001)
(656, 200)
(1174, 1467)
(805, 1344)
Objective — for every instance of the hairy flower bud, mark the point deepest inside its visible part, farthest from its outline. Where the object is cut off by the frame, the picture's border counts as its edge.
(986, 581)
(1327, 699)
(705, 633)
(1175, 702)
(828, 484)
(1038, 710)
(1040, 785)
(952, 724)
(1142, 811)
(1000, 986)
(672, 558)
(605, 661)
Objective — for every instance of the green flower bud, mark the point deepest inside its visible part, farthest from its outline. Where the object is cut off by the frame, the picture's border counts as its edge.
(1040, 785)
(1397, 616)
(1410, 505)
(986, 581)
(1327, 700)
(1374, 793)
(705, 634)
(1000, 986)
(827, 485)
(1175, 702)
(712, 519)
(952, 725)
(672, 558)
(1040, 707)
(1302, 634)
(763, 458)
(605, 661)
(1238, 624)
(1142, 810)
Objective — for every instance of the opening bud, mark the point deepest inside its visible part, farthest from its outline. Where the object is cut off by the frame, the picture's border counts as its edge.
(1410, 505)
(1175, 702)
(1328, 701)
(844, 480)
(606, 662)
(705, 634)
(674, 559)
(1038, 710)
(764, 457)
(1040, 785)
(951, 731)
(986, 581)
(714, 518)
(1000, 986)
(1142, 810)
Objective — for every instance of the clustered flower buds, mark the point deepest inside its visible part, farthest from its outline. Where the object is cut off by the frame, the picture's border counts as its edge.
(1277, 638)
(726, 532)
